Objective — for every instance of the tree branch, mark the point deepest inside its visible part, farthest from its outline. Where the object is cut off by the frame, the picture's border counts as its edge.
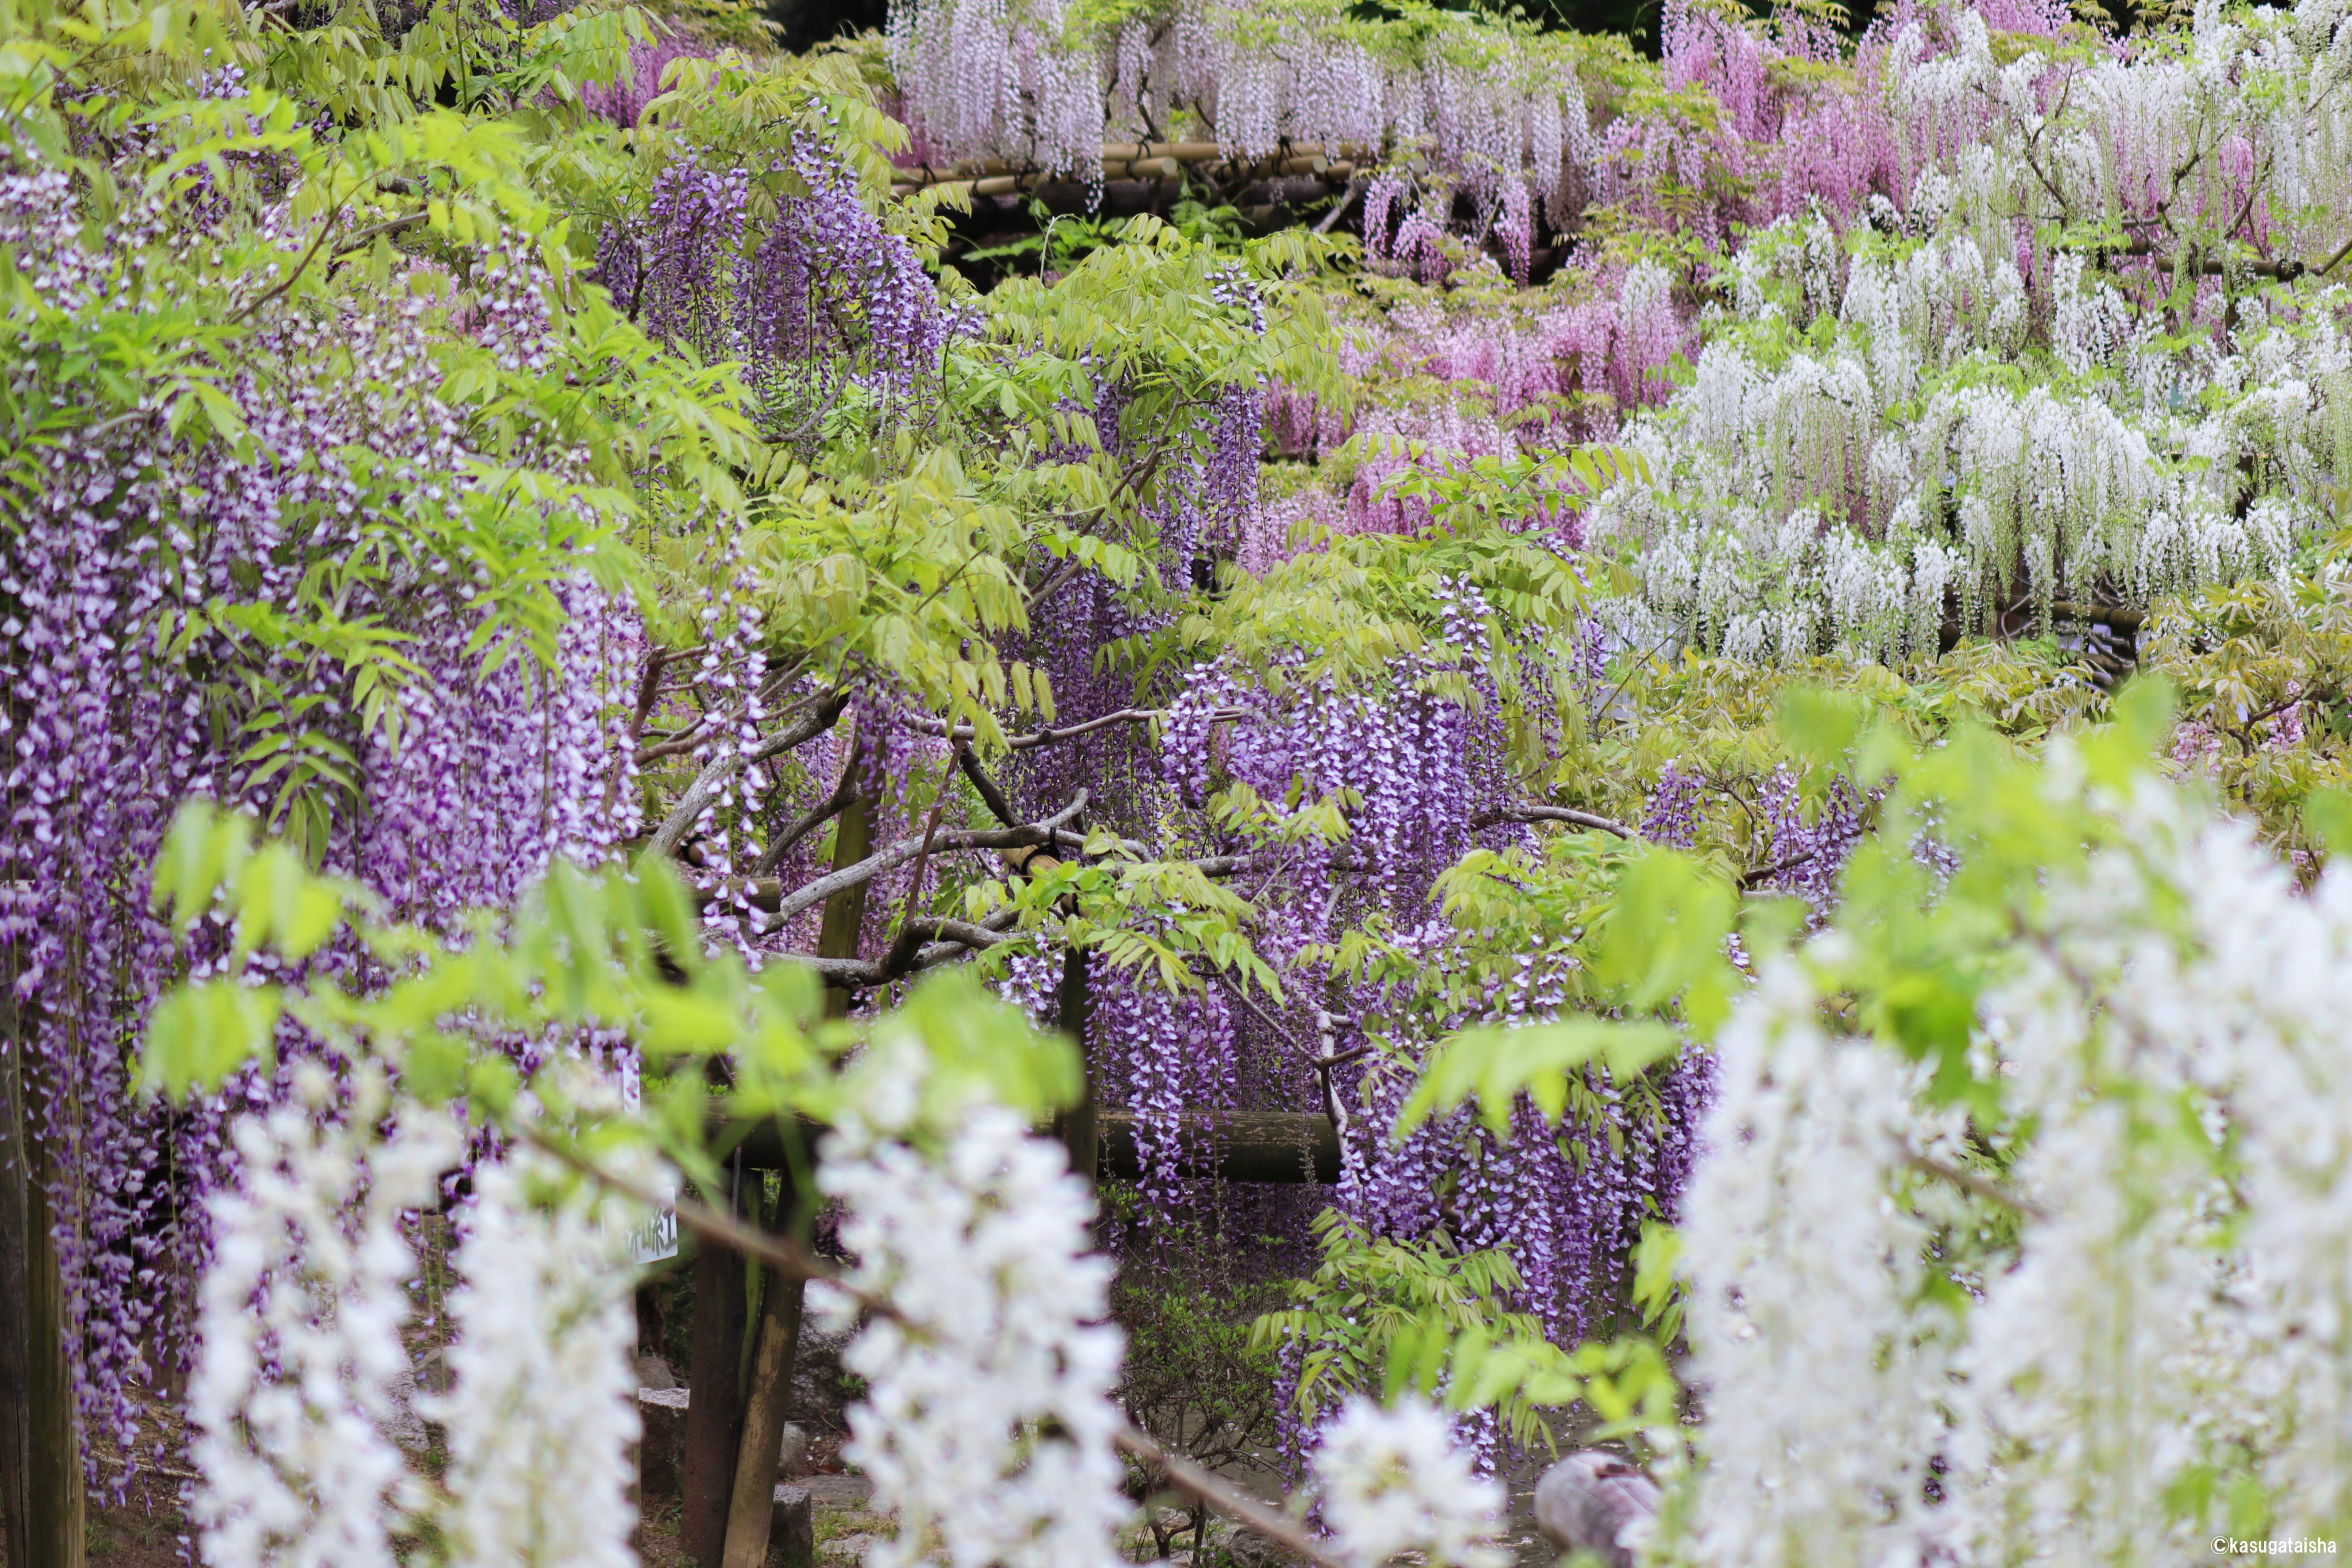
(906, 944)
(1764, 873)
(812, 893)
(713, 778)
(1355, 187)
(989, 794)
(1967, 1181)
(815, 816)
(962, 936)
(1046, 734)
(1539, 813)
(1182, 1475)
(2285, 271)
(389, 227)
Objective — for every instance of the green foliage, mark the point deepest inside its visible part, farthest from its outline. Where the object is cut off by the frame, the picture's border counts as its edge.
(1495, 1065)
(332, 180)
(1195, 1375)
(2261, 669)
(614, 952)
(1369, 1295)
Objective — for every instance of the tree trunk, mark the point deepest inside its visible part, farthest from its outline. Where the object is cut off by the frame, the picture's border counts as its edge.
(41, 1484)
(714, 1404)
(730, 1508)
(1080, 1129)
(757, 1458)
(844, 912)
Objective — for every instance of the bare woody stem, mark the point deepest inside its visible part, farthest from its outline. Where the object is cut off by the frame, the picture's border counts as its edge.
(714, 777)
(1970, 1182)
(898, 855)
(1541, 813)
(1182, 1475)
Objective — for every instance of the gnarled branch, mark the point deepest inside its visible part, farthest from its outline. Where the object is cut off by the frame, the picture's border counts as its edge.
(1540, 813)
(714, 777)
(898, 855)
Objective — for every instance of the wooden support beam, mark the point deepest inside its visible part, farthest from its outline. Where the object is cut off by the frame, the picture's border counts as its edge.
(1285, 1148)
(1138, 160)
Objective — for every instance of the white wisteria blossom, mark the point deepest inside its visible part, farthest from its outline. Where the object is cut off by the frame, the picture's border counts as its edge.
(543, 1413)
(1392, 1479)
(305, 1305)
(1782, 1219)
(988, 1424)
(291, 1403)
(2142, 1333)
(1947, 401)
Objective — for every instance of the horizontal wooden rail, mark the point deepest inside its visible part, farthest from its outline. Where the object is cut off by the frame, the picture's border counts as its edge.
(1136, 161)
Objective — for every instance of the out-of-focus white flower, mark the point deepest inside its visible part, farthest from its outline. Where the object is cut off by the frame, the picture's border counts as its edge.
(302, 1308)
(1823, 1376)
(543, 1412)
(988, 1422)
(292, 1402)
(1392, 1479)
(2171, 1316)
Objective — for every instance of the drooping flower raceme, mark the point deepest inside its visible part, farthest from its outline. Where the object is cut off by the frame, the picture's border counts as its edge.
(1392, 1479)
(544, 1414)
(2151, 1316)
(303, 1307)
(1779, 1223)
(988, 1423)
(303, 1312)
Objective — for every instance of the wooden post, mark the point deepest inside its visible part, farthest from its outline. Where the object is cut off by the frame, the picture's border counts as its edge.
(714, 1405)
(42, 1495)
(1079, 1126)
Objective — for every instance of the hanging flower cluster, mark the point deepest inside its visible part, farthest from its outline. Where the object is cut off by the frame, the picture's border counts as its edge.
(1391, 1481)
(157, 594)
(822, 288)
(291, 1404)
(541, 1412)
(1030, 81)
(1928, 405)
(1422, 773)
(987, 1420)
(305, 1308)
(2145, 1312)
